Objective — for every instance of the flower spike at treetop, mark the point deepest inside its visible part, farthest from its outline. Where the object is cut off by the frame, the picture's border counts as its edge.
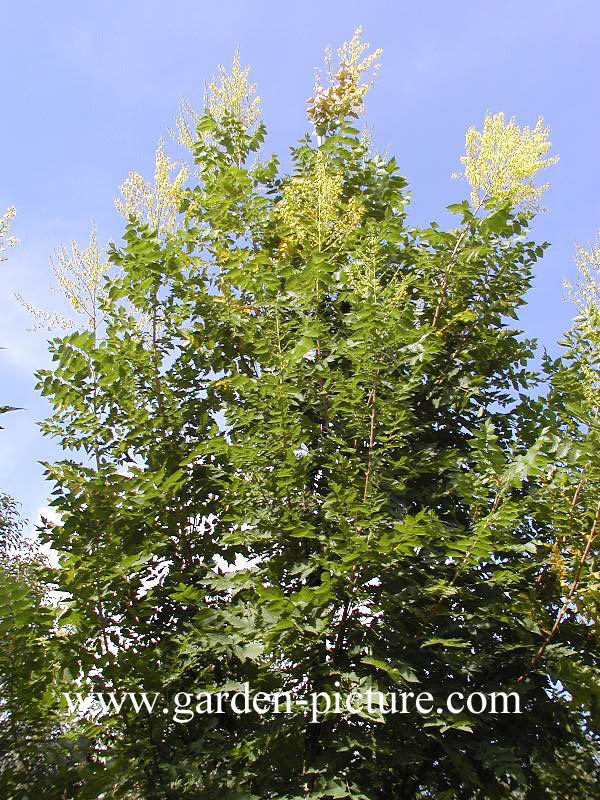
(501, 161)
(227, 93)
(586, 295)
(158, 204)
(233, 94)
(344, 97)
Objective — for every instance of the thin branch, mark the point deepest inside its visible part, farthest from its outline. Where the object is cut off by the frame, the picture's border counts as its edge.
(573, 588)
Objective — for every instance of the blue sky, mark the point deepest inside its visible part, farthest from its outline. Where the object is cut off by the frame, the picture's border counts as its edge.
(88, 89)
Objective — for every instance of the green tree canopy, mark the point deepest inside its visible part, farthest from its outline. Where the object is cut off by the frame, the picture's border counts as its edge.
(311, 454)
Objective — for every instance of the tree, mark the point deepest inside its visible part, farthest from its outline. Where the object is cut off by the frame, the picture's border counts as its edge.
(337, 398)
(38, 751)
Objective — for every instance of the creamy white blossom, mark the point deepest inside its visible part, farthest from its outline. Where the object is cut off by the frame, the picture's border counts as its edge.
(6, 240)
(227, 93)
(79, 278)
(155, 204)
(345, 94)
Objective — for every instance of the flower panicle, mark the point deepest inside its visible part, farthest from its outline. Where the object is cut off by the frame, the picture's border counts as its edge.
(345, 95)
(501, 161)
(6, 240)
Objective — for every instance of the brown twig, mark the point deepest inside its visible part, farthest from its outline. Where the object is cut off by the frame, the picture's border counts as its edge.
(347, 602)
(573, 588)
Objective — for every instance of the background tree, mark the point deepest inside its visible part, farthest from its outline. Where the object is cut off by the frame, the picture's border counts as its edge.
(38, 749)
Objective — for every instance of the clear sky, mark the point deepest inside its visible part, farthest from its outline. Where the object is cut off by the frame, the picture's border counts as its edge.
(87, 89)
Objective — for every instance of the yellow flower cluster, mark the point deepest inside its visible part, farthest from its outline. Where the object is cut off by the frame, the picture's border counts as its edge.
(586, 295)
(5, 240)
(344, 97)
(233, 94)
(368, 262)
(587, 291)
(158, 204)
(78, 276)
(501, 161)
(558, 564)
(311, 209)
(227, 93)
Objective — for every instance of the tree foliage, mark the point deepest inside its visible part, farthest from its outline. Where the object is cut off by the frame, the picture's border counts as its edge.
(326, 464)
(38, 751)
